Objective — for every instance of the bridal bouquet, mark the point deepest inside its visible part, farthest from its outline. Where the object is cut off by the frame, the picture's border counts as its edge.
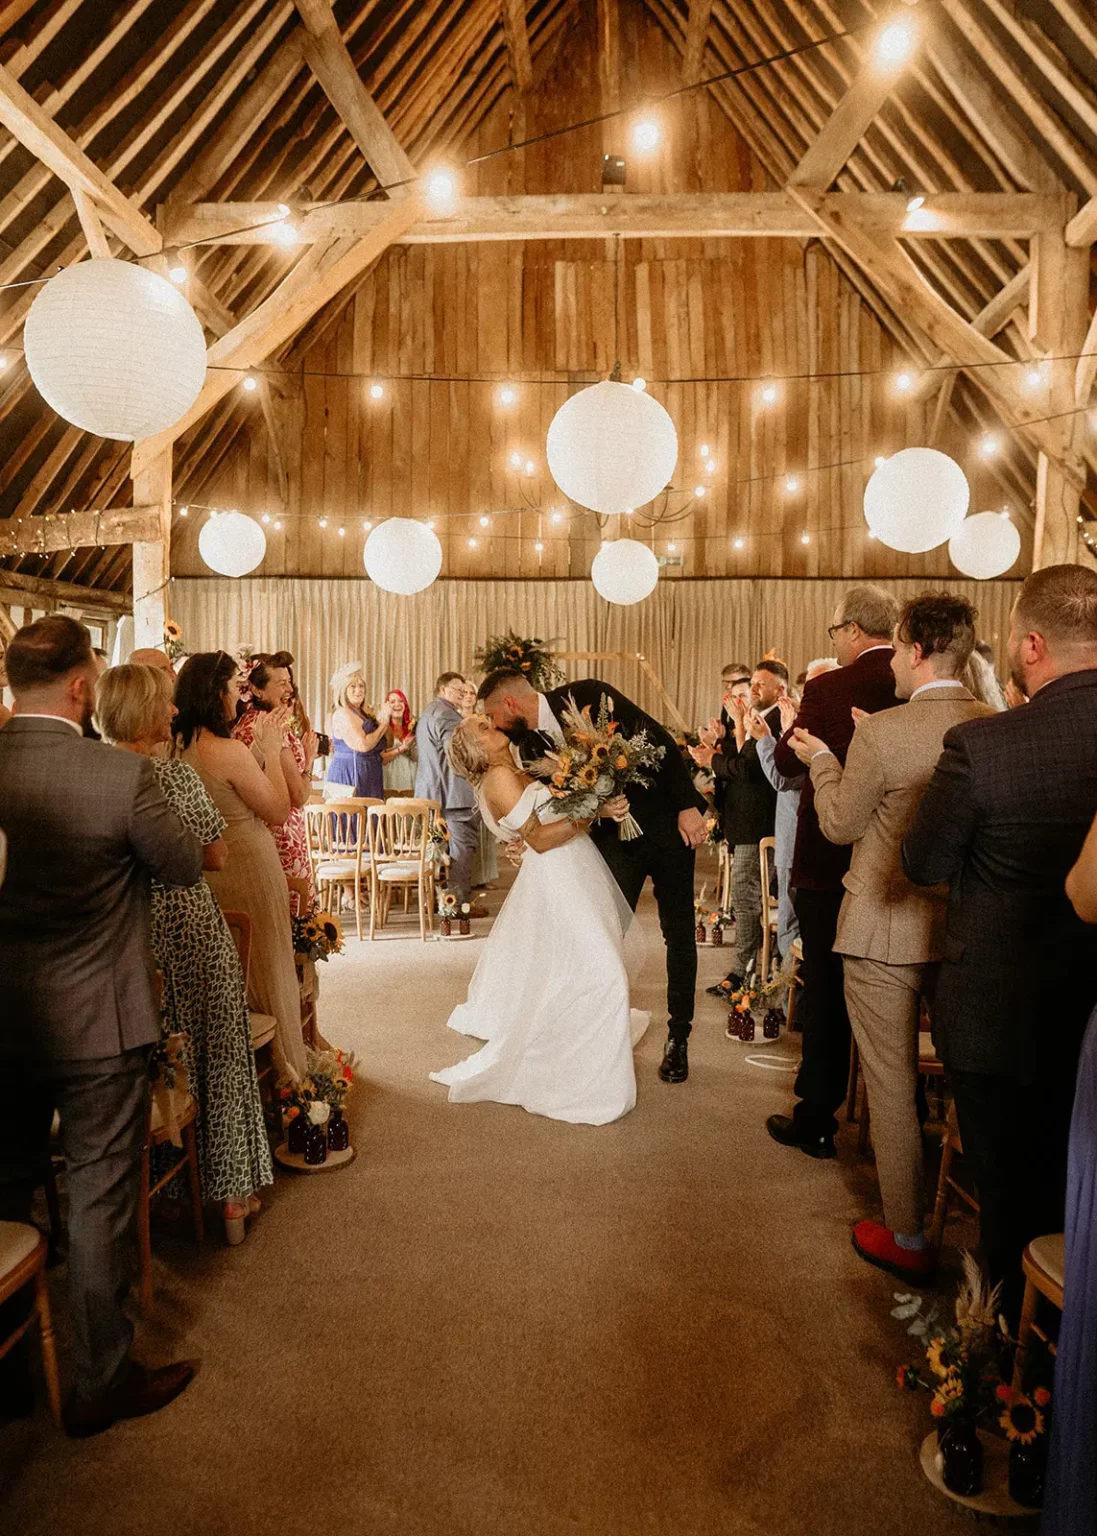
(596, 763)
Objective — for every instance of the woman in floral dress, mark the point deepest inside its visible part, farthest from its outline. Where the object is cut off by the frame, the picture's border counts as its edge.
(204, 998)
(270, 685)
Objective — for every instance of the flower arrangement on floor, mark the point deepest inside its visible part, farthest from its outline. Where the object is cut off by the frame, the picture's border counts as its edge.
(595, 764)
(437, 852)
(173, 641)
(517, 654)
(316, 935)
(754, 994)
(312, 1107)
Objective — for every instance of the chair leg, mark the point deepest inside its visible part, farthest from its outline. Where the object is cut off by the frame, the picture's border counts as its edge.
(53, 1203)
(421, 894)
(1024, 1333)
(49, 1346)
(940, 1205)
(372, 905)
(358, 908)
(144, 1239)
(190, 1145)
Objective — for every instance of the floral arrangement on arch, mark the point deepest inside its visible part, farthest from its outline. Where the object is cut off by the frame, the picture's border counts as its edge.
(596, 763)
(530, 657)
(173, 641)
(316, 935)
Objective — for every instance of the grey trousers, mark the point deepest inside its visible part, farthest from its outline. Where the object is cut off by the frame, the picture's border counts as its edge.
(746, 903)
(464, 842)
(104, 1109)
(884, 1008)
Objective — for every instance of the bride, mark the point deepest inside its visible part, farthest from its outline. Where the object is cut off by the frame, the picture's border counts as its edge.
(550, 993)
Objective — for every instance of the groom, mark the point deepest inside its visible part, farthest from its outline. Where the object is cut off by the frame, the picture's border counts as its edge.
(669, 814)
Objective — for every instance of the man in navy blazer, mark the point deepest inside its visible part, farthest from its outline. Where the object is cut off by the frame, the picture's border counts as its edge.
(861, 632)
(1003, 821)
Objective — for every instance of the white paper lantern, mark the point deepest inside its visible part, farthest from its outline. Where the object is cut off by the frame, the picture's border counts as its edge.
(115, 349)
(402, 555)
(985, 545)
(612, 448)
(231, 544)
(916, 500)
(624, 571)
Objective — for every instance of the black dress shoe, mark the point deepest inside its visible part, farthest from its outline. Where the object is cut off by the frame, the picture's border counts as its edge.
(785, 1130)
(674, 1067)
(726, 987)
(142, 1392)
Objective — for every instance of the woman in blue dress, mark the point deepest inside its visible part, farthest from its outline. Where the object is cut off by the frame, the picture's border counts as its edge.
(358, 739)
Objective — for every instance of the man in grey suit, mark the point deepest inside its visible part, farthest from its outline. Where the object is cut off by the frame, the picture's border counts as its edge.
(436, 780)
(86, 826)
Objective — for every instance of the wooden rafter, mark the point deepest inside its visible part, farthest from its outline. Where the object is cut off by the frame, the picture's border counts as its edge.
(13, 583)
(700, 14)
(517, 35)
(77, 530)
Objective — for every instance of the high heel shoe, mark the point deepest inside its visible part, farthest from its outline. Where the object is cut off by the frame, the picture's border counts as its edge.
(235, 1213)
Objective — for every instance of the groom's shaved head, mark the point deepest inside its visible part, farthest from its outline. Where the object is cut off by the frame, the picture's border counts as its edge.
(509, 702)
(503, 680)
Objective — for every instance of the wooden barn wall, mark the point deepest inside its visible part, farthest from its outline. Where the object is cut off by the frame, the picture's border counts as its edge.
(441, 327)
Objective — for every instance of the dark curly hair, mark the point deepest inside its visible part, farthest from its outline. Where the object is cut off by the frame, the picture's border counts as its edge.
(200, 696)
(263, 663)
(941, 623)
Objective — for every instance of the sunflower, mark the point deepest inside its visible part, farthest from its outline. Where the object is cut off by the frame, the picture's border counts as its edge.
(588, 776)
(172, 630)
(1022, 1422)
(449, 901)
(950, 1392)
(935, 1350)
(599, 753)
(333, 933)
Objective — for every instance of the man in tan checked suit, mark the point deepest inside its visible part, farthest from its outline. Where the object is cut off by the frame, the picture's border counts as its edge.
(890, 932)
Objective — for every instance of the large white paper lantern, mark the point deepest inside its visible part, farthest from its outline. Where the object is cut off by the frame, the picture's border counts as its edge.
(231, 544)
(916, 500)
(985, 545)
(612, 448)
(115, 349)
(624, 571)
(402, 555)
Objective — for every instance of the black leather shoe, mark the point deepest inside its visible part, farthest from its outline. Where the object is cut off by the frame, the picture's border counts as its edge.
(142, 1392)
(674, 1067)
(726, 987)
(784, 1129)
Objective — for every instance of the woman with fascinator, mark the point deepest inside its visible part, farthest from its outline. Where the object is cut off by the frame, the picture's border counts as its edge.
(270, 687)
(356, 768)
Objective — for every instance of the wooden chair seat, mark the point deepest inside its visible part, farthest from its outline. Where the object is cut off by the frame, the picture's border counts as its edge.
(398, 872)
(336, 870)
(1044, 1266)
(23, 1254)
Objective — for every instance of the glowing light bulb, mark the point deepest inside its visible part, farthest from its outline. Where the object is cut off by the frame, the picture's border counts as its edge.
(283, 210)
(265, 518)
(285, 233)
(704, 450)
(485, 522)
(516, 460)
(377, 391)
(792, 485)
(342, 533)
(323, 522)
(646, 135)
(895, 44)
(539, 547)
(738, 543)
(530, 467)
(805, 538)
(472, 544)
(277, 525)
(671, 548)
(879, 460)
(367, 524)
(508, 395)
(430, 522)
(914, 203)
(3, 362)
(768, 394)
(1034, 377)
(441, 190)
(698, 490)
(183, 511)
(989, 447)
(710, 466)
(251, 384)
(557, 517)
(904, 383)
(639, 385)
(177, 272)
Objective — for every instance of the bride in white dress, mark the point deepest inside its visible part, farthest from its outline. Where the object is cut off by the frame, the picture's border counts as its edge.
(550, 993)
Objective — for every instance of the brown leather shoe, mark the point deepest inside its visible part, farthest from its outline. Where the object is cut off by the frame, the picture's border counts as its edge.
(478, 910)
(142, 1392)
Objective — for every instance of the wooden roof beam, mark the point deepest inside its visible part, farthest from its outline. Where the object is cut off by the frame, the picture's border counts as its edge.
(517, 35)
(77, 530)
(333, 67)
(13, 584)
(700, 14)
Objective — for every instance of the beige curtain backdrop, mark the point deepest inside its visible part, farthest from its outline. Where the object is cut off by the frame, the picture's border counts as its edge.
(687, 630)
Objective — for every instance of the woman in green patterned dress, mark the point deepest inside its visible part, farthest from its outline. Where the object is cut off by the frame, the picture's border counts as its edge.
(204, 997)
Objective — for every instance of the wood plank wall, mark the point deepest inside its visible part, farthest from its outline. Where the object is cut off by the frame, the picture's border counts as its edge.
(442, 327)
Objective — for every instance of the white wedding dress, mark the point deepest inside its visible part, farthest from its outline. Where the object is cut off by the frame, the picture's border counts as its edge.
(550, 993)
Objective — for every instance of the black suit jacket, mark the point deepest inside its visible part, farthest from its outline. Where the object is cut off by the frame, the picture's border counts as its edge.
(868, 684)
(656, 809)
(1003, 821)
(750, 800)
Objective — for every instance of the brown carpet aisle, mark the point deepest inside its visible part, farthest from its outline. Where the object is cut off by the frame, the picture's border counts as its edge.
(492, 1323)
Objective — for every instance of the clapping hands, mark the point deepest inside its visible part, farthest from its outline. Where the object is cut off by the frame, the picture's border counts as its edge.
(270, 728)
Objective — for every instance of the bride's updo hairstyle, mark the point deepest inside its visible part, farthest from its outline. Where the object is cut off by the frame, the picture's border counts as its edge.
(466, 754)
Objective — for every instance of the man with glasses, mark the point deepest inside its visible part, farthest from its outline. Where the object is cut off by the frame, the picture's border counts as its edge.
(861, 635)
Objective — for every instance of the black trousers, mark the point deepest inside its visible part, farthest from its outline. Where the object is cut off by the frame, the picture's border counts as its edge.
(671, 874)
(1015, 1143)
(823, 1077)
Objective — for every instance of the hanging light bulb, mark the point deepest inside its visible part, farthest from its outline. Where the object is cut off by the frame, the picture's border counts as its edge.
(1034, 378)
(647, 134)
(508, 395)
(557, 517)
(285, 233)
(323, 522)
(805, 538)
(640, 384)
(516, 461)
(183, 511)
(485, 522)
(895, 44)
(671, 548)
(265, 517)
(176, 269)
(769, 394)
(342, 533)
(792, 485)
(904, 383)
(698, 490)
(989, 447)
(377, 391)
(251, 383)
(704, 450)
(738, 543)
(441, 190)
(539, 547)
(472, 543)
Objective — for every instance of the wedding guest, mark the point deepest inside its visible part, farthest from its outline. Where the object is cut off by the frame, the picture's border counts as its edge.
(1070, 1504)
(861, 632)
(148, 656)
(1003, 820)
(356, 770)
(891, 934)
(248, 787)
(86, 827)
(271, 687)
(734, 683)
(203, 996)
(436, 780)
(749, 808)
(398, 755)
(485, 861)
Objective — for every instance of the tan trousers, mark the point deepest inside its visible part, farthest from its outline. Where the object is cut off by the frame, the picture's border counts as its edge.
(884, 1007)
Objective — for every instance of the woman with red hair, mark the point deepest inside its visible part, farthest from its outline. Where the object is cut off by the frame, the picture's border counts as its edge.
(398, 755)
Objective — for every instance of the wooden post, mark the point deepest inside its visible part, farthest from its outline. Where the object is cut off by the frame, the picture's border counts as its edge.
(152, 562)
(1058, 319)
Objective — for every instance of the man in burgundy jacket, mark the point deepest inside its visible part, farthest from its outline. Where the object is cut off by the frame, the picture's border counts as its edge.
(861, 632)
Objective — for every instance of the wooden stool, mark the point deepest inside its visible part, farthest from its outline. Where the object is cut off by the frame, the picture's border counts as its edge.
(1044, 1265)
(946, 1184)
(158, 1136)
(23, 1254)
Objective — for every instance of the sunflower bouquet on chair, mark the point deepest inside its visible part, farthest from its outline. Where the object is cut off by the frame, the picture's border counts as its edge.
(597, 764)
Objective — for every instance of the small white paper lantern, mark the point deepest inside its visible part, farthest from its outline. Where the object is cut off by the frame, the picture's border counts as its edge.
(916, 500)
(611, 448)
(402, 555)
(985, 545)
(624, 571)
(115, 349)
(231, 544)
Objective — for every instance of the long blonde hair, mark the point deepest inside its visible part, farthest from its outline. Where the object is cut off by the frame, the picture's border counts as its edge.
(341, 680)
(466, 754)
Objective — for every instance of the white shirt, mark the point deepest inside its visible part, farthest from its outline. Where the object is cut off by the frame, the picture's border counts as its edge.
(39, 715)
(547, 721)
(945, 682)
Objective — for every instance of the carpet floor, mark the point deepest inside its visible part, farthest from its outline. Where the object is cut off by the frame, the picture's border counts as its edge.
(494, 1323)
